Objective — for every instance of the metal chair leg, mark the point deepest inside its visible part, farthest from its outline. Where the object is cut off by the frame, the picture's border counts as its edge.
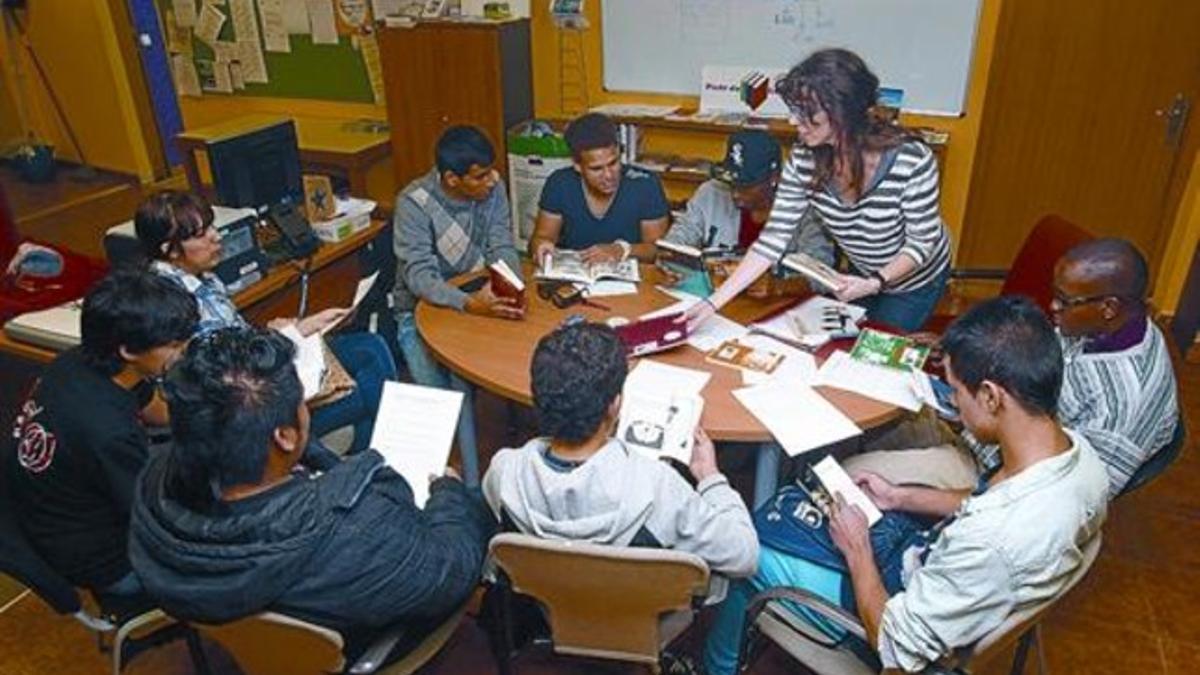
(1027, 640)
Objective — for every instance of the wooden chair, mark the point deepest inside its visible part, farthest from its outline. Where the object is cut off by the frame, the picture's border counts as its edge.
(276, 644)
(1031, 274)
(768, 616)
(608, 602)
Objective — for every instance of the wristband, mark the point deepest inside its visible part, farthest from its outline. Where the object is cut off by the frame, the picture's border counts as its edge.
(883, 282)
(625, 248)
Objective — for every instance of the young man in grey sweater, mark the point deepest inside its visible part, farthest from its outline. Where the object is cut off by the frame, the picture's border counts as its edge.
(578, 482)
(453, 220)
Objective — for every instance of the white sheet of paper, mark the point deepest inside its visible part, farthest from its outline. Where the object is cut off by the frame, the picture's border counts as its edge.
(185, 12)
(413, 431)
(360, 292)
(798, 366)
(245, 24)
(609, 287)
(382, 8)
(295, 17)
(186, 78)
(714, 331)
(881, 383)
(235, 75)
(274, 30)
(222, 81)
(208, 25)
(837, 481)
(254, 66)
(321, 20)
(309, 359)
(798, 417)
(655, 376)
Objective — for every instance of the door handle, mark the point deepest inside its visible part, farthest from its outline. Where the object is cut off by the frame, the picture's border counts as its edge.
(1176, 116)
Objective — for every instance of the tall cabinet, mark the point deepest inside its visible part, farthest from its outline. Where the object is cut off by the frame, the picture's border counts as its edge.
(441, 73)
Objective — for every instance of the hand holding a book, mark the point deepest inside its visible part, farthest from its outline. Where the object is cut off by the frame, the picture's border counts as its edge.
(849, 530)
(704, 456)
(853, 287)
(881, 491)
(485, 302)
(697, 314)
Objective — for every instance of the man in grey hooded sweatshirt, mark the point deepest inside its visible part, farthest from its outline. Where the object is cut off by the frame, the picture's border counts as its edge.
(578, 482)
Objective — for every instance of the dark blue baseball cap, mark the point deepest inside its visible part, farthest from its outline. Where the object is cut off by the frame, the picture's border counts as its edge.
(751, 156)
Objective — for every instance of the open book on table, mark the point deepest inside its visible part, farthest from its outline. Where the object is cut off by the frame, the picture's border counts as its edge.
(566, 265)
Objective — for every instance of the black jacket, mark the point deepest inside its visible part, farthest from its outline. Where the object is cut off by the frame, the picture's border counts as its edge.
(346, 549)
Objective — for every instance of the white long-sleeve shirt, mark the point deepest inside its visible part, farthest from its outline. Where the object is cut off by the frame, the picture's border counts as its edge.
(1014, 546)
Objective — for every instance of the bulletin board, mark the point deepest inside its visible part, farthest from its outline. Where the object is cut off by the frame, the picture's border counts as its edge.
(333, 72)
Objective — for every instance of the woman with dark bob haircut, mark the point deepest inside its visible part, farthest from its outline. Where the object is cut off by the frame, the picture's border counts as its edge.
(874, 186)
(177, 233)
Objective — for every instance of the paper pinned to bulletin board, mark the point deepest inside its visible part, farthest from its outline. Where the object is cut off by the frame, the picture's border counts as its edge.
(321, 49)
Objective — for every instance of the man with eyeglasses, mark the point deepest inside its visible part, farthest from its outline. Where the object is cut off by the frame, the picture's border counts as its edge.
(1118, 386)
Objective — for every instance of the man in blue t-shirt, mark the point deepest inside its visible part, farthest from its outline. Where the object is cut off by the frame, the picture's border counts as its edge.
(599, 206)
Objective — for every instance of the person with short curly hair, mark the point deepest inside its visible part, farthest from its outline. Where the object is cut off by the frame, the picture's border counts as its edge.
(578, 482)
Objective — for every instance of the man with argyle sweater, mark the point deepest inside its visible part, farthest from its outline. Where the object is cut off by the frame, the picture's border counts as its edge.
(453, 220)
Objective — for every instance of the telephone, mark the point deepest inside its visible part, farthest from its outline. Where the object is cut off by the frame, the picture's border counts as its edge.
(297, 235)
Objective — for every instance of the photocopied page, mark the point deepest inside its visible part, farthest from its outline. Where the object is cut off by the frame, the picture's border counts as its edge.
(309, 359)
(360, 292)
(659, 425)
(837, 481)
(717, 329)
(798, 417)
(413, 431)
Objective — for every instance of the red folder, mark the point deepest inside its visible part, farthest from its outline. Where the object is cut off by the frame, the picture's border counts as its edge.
(652, 335)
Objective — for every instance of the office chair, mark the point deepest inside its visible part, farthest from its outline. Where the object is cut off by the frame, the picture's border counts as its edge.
(1031, 273)
(608, 602)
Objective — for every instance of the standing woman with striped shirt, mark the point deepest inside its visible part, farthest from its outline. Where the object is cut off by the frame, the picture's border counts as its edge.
(874, 186)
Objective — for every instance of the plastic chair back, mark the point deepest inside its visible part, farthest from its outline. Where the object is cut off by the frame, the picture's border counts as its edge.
(602, 601)
(275, 644)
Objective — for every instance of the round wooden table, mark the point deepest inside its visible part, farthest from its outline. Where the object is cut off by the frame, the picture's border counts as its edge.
(495, 354)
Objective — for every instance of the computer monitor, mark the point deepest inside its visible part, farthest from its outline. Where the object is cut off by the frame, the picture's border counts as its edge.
(257, 169)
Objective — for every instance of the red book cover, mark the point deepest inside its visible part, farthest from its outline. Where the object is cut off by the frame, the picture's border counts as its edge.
(505, 282)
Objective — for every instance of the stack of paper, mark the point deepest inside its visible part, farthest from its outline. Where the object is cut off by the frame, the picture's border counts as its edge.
(878, 382)
(799, 418)
(413, 431)
(309, 359)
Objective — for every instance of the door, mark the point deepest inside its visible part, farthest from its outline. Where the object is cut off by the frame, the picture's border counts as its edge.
(156, 67)
(1086, 115)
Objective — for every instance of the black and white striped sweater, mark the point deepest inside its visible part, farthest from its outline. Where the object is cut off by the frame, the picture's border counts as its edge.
(898, 213)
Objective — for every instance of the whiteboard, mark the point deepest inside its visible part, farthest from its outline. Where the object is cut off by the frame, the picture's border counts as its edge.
(921, 46)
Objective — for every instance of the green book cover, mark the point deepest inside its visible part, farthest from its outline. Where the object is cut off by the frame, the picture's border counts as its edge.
(885, 349)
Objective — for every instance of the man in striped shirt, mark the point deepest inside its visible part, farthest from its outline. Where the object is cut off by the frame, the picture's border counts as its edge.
(1118, 387)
